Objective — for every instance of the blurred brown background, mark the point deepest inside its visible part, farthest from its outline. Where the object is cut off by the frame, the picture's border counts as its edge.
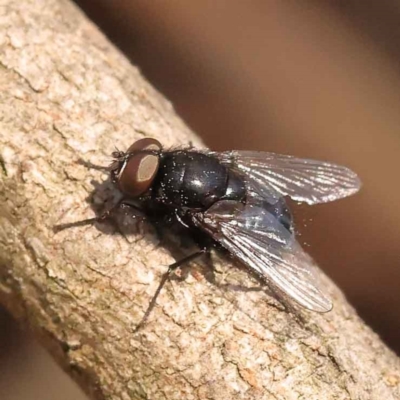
(302, 78)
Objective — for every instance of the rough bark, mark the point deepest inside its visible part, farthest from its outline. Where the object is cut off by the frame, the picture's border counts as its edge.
(67, 93)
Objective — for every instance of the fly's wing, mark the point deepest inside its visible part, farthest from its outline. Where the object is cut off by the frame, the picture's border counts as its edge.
(257, 239)
(303, 180)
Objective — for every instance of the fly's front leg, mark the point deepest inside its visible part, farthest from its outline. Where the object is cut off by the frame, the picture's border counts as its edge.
(96, 167)
(123, 203)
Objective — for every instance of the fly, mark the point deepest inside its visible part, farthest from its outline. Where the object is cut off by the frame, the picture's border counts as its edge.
(233, 200)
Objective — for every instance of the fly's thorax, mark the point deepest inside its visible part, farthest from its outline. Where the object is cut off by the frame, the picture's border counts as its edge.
(190, 179)
(236, 187)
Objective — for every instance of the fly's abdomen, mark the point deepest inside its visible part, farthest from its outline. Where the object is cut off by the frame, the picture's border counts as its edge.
(281, 212)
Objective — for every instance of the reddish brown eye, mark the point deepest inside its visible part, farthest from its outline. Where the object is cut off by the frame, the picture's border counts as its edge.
(139, 171)
(145, 144)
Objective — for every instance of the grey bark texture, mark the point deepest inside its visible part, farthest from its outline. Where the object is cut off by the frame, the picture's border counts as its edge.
(67, 93)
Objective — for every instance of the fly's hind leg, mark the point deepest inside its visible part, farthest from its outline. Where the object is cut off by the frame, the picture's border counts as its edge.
(164, 279)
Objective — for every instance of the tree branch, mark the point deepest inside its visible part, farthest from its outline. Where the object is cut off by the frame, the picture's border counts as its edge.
(67, 93)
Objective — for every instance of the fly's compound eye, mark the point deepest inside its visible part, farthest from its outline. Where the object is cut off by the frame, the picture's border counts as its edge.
(145, 144)
(140, 169)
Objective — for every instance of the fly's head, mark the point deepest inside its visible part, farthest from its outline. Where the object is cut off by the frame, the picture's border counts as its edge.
(134, 171)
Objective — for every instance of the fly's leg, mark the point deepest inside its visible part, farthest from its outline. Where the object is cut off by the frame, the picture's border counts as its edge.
(209, 271)
(103, 217)
(96, 167)
(164, 279)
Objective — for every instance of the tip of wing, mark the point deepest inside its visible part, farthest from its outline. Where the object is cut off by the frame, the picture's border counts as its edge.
(353, 181)
(321, 305)
(349, 185)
